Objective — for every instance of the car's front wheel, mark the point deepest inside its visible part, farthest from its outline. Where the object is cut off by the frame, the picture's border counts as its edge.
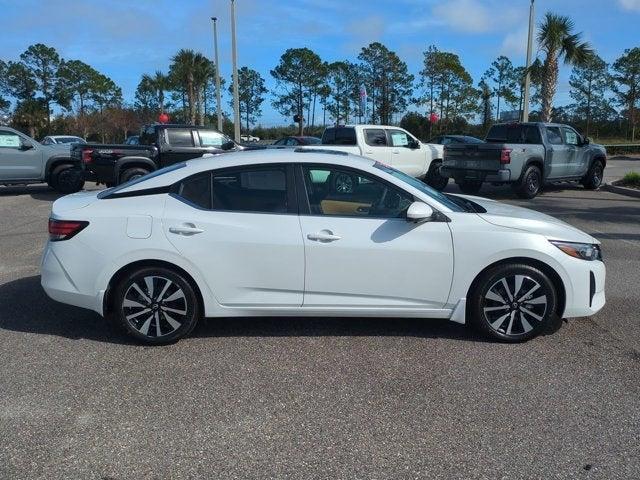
(512, 303)
(593, 178)
(156, 305)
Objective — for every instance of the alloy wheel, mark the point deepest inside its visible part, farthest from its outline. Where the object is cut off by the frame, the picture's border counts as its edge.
(155, 306)
(344, 183)
(514, 305)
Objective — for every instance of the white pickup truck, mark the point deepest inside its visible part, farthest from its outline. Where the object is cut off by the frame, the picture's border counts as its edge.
(389, 145)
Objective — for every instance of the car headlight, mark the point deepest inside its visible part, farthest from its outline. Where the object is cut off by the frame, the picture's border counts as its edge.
(583, 251)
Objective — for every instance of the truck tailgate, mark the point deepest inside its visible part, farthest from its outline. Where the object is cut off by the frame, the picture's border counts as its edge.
(482, 157)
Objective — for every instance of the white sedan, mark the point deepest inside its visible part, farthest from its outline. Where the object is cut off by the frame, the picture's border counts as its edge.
(271, 232)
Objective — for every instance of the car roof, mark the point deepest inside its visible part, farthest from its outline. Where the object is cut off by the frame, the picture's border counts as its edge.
(252, 157)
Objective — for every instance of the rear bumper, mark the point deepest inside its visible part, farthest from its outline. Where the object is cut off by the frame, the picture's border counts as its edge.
(459, 174)
(61, 284)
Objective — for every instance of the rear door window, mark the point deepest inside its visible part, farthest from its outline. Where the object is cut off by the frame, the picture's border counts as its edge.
(339, 136)
(251, 189)
(553, 136)
(179, 137)
(196, 190)
(375, 137)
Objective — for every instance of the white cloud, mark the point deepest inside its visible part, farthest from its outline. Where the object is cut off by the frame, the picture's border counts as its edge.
(515, 43)
(467, 16)
(633, 5)
(476, 16)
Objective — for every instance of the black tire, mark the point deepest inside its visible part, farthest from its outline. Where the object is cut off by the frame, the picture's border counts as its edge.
(132, 174)
(470, 187)
(344, 183)
(156, 305)
(593, 178)
(530, 184)
(433, 177)
(525, 310)
(66, 179)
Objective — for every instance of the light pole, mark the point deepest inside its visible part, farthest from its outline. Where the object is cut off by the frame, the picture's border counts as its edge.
(527, 78)
(217, 73)
(234, 61)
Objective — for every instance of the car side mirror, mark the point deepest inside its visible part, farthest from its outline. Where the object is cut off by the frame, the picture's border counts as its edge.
(413, 145)
(586, 141)
(25, 146)
(228, 145)
(419, 212)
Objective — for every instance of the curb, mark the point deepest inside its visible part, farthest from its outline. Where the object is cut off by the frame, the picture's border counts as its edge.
(630, 192)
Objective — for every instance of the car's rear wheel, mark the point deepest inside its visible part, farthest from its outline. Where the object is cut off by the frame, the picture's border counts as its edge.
(66, 179)
(512, 303)
(593, 178)
(156, 305)
(434, 178)
(132, 174)
(530, 184)
(470, 187)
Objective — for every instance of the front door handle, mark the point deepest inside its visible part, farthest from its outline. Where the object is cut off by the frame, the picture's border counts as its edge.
(323, 236)
(186, 229)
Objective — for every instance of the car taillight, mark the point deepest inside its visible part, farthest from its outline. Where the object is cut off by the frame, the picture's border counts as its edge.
(64, 229)
(87, 155)
(505, 156)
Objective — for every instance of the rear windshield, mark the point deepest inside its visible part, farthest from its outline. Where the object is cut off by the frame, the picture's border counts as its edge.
(339, 136)
(144, 178)
(528, 134)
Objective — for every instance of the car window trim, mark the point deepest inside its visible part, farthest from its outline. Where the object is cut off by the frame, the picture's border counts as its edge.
(307, 206)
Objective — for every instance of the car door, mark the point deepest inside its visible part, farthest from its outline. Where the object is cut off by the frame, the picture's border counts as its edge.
(376, 145)
(406, 154)
(240, 227)
(20, 158)
(178, 146)
(361, 251)
(558, 154)
(572, 142)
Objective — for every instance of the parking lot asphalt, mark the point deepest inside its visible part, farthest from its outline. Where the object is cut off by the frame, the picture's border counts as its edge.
(320, 398)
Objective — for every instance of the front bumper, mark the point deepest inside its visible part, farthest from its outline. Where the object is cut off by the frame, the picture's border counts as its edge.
(587, 285)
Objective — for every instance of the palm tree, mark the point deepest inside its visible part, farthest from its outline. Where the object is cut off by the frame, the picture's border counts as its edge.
(557, 40)
(182, 71)
(202, 73)
(159, 83)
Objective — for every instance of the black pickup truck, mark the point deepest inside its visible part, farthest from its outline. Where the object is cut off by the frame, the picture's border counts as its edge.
(159, 145)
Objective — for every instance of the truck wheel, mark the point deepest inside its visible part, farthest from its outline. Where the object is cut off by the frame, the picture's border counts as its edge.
(132, 174)
(593, 179)
(66, 179)
(530, 184)
(470, 187)
(434, 179)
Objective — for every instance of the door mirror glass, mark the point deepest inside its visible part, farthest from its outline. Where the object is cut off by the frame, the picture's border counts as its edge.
(419, 212)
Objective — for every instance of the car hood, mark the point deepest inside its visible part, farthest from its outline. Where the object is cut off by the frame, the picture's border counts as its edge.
(505, 215)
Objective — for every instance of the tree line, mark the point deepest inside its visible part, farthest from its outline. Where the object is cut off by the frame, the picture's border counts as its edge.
(605, 97)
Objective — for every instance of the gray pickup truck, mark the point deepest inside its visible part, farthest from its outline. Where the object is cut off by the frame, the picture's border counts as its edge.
(24, 161)
(525, 155)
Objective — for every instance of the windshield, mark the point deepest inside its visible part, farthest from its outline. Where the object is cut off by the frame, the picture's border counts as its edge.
(135, 181)
(423, 187)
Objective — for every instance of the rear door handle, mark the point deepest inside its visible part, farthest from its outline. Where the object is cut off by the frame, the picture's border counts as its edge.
(323, 236)
(186, 229)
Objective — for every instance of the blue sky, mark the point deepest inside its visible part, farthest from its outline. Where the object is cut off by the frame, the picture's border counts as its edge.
(125, 38)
